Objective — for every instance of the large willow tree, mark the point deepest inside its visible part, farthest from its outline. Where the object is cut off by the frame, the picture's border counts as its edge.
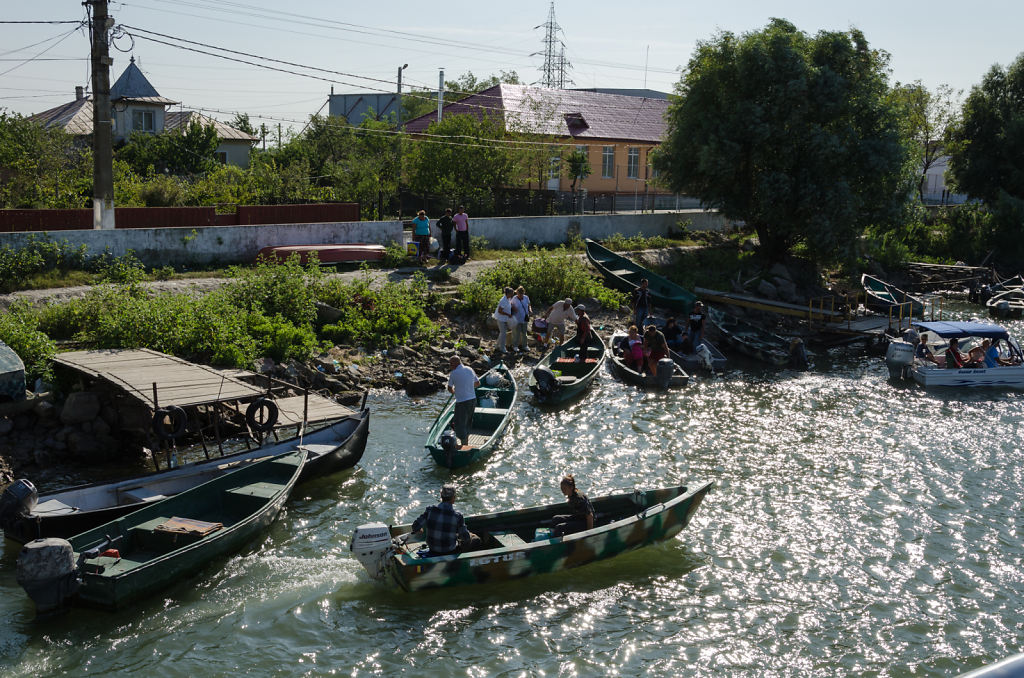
(793, 134)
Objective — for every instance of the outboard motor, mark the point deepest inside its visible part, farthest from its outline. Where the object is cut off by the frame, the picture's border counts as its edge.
(798, 355)
(546, 383)
(449, 441)
(17, 502)
(899, 357)
(666, 368)
(46, 570)
(371, 545)
(704, 357)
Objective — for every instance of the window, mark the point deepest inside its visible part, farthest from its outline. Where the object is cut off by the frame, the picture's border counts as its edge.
(142, 121)
(608, 162)
(222, 157)
(633, 163)
(554, 168)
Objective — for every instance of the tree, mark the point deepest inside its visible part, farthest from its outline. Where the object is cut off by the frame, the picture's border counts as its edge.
(423, 101)
(927, 118)
(796, 135)
(987, 144)
(41, 167)
(241, 122)
(188, 151)
(579, 169)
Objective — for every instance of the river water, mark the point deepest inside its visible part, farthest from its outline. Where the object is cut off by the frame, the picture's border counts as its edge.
(856, 527)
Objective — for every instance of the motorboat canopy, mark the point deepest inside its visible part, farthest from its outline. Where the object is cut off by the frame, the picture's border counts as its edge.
(948, 329)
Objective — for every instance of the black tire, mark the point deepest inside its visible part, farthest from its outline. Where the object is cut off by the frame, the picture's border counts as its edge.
(255, 418)
(178, 422)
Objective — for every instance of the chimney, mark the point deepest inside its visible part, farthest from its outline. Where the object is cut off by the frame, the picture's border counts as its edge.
(79, 93)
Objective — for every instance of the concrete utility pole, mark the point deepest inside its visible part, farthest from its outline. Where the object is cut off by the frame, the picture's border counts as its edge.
(102, 132)
(440, 93)
(399, 101)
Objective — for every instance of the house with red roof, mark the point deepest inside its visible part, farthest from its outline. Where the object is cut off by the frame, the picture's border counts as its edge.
(616, 131)
(136, 106)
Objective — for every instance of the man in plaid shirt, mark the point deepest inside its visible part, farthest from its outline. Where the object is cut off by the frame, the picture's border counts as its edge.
(446, 528)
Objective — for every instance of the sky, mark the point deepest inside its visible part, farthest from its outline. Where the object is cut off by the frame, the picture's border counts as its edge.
(360, 46)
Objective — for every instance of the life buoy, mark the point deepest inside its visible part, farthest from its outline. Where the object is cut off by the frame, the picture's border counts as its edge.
(177, 418)
(256, 418)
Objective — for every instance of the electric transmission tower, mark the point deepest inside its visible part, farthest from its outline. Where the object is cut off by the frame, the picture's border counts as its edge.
(555, 71)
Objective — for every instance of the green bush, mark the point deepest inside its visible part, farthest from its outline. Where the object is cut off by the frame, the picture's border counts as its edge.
(621, 243)
(126, 270)
(18, 330)
(287, 289)
(395, 255)
(389, 316)
(281, 340)
(38, 255)
(547, 275)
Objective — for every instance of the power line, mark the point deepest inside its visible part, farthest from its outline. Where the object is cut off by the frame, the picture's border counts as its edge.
(40, 22)
(34, 58)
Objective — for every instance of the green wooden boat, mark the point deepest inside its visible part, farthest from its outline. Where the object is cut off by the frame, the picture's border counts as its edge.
(518, 543)
(560, 377)
(138, 554)
(652, 382)
(758, 343)
(495, 398)
(625, 275)
(881, 297)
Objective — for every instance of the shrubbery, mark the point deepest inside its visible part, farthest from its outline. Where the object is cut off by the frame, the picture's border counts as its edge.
(389, 316)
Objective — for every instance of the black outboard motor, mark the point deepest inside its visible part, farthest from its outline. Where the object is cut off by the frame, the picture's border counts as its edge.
(449, 441)
(546, 383)
(666, 369)
(17, 502)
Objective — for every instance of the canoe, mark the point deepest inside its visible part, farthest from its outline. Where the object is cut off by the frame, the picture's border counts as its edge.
(692, 362)
(335, 446)
(559, 377)
(625, 274)
(138, 554)
(1008, 304)
(518, 543)
(757, 343)
(629, 375)
(326, 254)
(880, 296)
(495, 398)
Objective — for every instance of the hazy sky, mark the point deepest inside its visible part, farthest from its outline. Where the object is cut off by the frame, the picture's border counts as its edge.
(607, 42)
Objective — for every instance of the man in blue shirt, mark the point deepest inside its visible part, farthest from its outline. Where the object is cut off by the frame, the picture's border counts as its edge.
(446, 531)
(462, 382)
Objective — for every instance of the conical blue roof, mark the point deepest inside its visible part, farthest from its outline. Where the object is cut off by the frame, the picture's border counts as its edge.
(133, 85)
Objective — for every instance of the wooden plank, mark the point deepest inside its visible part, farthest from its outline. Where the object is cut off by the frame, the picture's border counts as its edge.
(320, 409)
(759, 303)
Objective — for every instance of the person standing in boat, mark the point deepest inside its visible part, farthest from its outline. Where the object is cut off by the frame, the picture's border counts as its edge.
(655, 348)
(641, 303)
(582, 331)
(695, 329)
(446, 531)
(556, 316)
(581, 511)
(421, 233)
(445, 225)
(462, 383)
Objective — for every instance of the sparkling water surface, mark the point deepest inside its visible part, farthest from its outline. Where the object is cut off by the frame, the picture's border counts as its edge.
(856, 527)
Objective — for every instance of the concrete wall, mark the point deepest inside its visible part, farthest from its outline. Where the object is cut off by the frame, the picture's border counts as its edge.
(215, 245)
(512, 231)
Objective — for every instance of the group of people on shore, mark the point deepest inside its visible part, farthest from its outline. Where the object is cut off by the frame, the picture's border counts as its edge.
(448, 224)
(514, 312)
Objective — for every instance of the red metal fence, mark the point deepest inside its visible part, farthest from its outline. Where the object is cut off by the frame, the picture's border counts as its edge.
(12, 221)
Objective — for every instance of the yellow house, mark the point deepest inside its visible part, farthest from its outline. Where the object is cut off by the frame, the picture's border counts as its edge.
(617, 131)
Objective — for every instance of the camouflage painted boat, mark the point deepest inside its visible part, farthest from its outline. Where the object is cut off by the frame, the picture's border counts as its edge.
(138, 554)
(496, 396)
(560, 377)
(518, 544)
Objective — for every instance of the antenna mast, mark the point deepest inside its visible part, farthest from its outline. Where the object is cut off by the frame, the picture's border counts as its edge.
(555, 71)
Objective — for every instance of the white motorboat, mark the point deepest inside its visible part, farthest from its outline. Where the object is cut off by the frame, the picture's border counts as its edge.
(904, 362)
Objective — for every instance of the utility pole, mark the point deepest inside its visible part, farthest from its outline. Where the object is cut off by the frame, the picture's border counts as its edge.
(399, 100)
(102, 132)
(440, 93)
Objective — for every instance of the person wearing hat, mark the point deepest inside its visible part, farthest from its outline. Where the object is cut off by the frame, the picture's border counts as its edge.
(506, 321)
(556, 316)
(446, 531)
(421, 233)
(582, 331)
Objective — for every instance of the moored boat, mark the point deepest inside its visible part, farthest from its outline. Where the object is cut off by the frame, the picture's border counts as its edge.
(883, 297)
(136, 555)
(705, 358)
(1007, 304)
(496, 396)
(625, 275)
(758, 343)
(674, 376)
(518, 543)
(566, 371)
(24, 516)
(901, 360)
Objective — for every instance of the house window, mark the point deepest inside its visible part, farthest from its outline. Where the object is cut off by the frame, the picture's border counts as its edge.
(633, 163)
(222, 157)
(608, 162)
(583, 150)
(554, 168)
(142, 121)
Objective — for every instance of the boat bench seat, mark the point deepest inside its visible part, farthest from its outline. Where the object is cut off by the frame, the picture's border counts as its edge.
(261, 489)
(622, 271)
(493, 411)
(139, 494)
(567, 380)
(509, 539)
(145, 537)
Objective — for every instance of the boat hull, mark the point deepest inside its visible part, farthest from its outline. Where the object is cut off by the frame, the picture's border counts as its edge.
(663, 515)
(625, 275)
(333, 448)
(505, 401)
(569, 389)
(649, 382)
(929, 376)
(690, 362)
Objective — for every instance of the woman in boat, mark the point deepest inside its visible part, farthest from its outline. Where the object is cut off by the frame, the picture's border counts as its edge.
(581, 511)
(655, 348)
(632, 349)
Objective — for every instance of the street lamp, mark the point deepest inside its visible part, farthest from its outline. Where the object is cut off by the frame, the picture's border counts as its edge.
(404, 66)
